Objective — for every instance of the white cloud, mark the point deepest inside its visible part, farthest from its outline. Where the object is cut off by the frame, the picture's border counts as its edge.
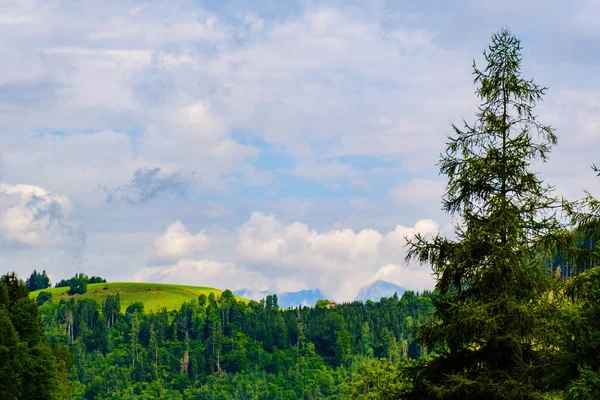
(32, 216)
(393, 243)
(324, 76)
(177, 243)
(410, 277)
(327, 76)
(73, 164)
(198, 121)
(131, 88)
(263, 239)
(140, 26)
(338, 262)
(99, 77)
(195, 140)
(202, 273)
(289, 257)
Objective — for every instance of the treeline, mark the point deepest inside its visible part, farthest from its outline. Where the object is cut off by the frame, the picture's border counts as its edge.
(37, 281)
(222, 348)
(78, 283)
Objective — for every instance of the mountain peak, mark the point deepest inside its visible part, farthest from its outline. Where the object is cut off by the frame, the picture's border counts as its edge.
(378, 289)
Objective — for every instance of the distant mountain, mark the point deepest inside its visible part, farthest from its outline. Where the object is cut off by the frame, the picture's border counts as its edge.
(378, 289)
(306, 297)
(301, 298)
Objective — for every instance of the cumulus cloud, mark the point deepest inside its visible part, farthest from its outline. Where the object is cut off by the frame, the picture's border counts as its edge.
(338, 262)
(194, 138)
(263, 239)
(32, 216)
(177, 243)
(146, 185)
(406, 276)
(291, 256)
(393, 242)
(73, 164)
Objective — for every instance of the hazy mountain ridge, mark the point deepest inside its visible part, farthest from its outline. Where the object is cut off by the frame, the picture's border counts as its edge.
(305, 297)
(309, 297)
(378, 289)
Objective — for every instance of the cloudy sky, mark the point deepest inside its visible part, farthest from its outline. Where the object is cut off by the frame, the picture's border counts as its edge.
(269, 144)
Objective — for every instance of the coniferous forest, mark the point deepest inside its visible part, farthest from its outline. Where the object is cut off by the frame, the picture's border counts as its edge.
(219, 348)
(515, 313)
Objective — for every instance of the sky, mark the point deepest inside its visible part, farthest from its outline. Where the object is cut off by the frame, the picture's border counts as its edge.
(278, 145)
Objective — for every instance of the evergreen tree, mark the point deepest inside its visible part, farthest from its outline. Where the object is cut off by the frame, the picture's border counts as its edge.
(492, 320)
(582, 339)
(37, 281)
(11, 353)
(584, 252)
(29, 368)
(389, 344)
(366, 340)
(153, 350)
(342, 347)
(111, 308)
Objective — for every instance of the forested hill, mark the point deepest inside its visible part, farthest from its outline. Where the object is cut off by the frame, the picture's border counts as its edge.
(216, 347)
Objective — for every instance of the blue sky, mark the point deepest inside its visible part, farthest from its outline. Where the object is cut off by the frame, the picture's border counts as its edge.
(266, 144)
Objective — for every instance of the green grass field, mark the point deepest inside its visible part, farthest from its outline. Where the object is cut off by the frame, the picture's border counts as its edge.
(155, 296)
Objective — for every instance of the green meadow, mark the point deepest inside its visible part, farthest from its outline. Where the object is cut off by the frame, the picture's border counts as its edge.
(155, 296)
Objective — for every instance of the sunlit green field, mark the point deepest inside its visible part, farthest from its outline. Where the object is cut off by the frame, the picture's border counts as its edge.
(155, 296)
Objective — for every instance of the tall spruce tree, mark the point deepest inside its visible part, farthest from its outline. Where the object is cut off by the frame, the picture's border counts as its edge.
(492, 323)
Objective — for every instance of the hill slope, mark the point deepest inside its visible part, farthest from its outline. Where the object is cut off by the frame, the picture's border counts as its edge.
(153, 295)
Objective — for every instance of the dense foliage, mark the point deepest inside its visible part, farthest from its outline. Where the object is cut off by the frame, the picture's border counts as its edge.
(37, 281)
(78, 283)
(227, 349)
(80, 277)
(29, 367)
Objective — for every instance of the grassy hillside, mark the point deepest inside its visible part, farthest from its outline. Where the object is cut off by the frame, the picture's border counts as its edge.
(153, 295)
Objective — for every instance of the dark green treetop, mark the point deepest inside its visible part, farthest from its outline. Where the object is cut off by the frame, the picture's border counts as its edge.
(37, 281)
(78, 284)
